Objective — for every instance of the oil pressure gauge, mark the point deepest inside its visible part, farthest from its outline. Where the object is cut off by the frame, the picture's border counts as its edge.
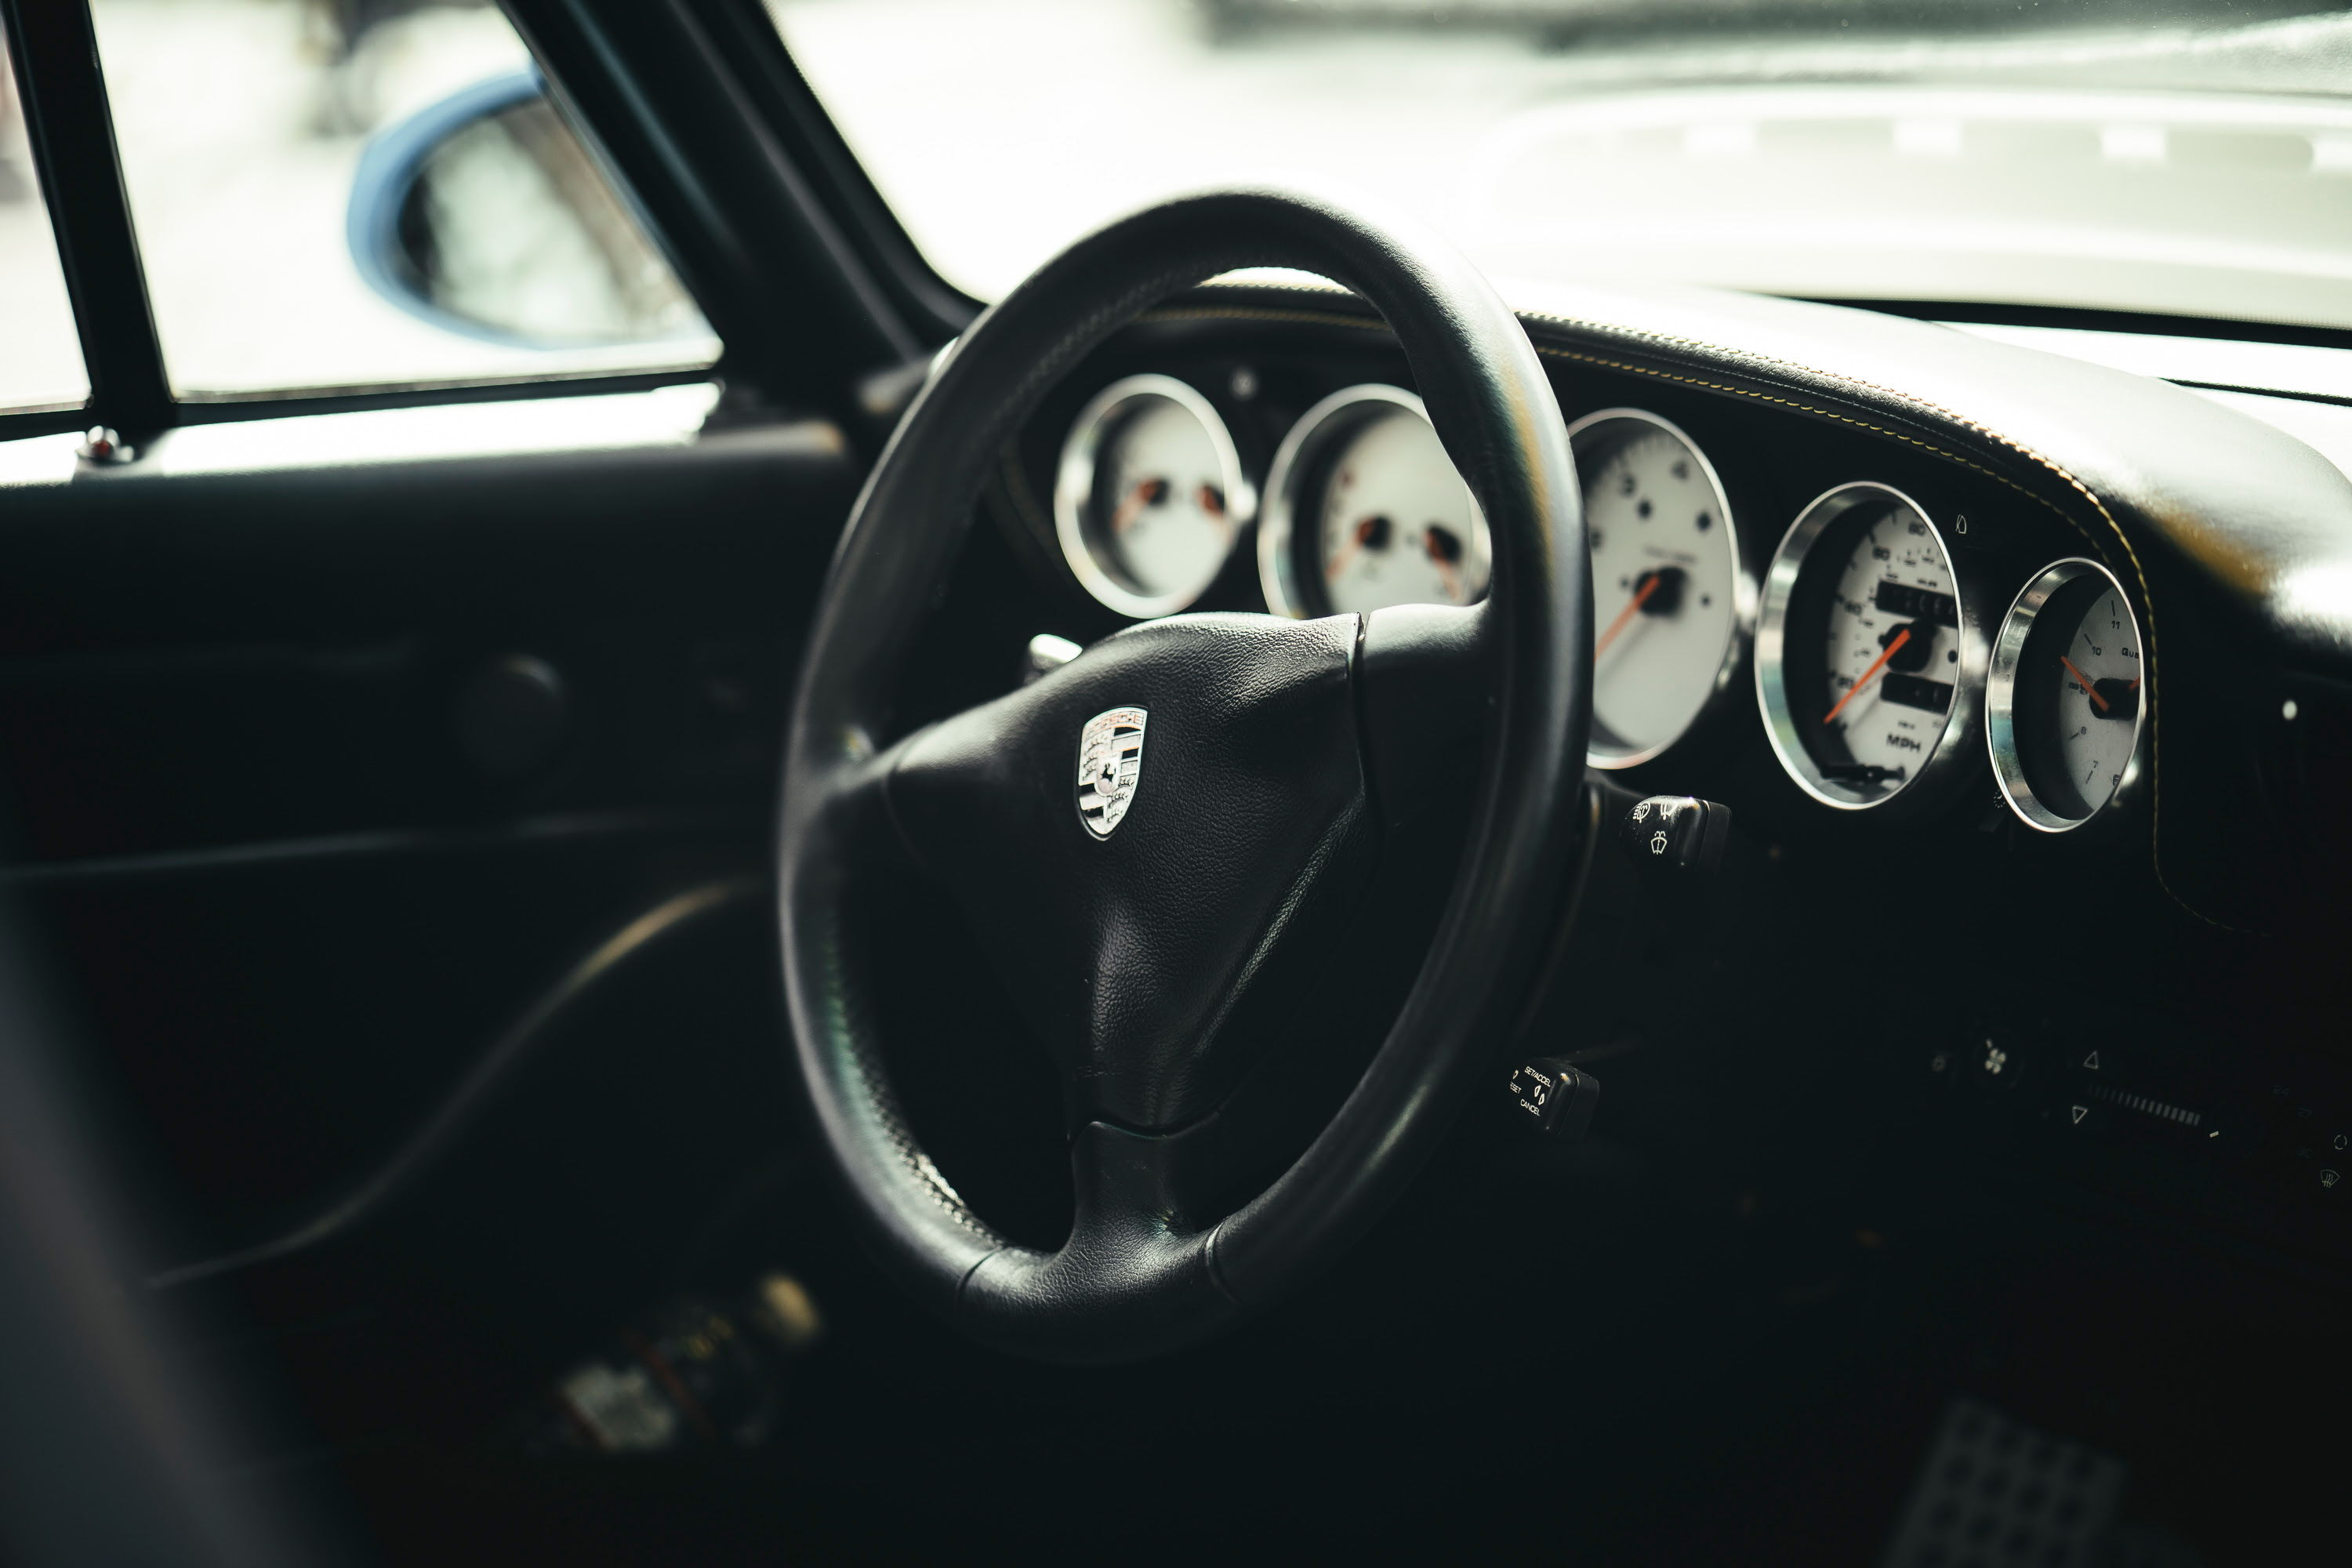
(2065, 701)
(1865, 667)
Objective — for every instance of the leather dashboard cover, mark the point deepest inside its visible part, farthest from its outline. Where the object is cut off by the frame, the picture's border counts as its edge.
(2235, 538)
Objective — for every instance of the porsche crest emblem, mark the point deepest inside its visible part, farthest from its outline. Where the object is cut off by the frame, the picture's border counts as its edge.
(1110, 765)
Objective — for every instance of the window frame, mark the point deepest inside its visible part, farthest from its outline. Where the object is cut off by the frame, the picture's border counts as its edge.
(805, 276)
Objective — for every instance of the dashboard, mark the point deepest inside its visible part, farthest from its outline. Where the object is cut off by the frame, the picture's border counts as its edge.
(1886, 649)
(1894, 597)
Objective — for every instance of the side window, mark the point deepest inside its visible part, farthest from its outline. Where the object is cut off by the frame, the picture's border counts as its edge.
(366, 194)
(40, 357)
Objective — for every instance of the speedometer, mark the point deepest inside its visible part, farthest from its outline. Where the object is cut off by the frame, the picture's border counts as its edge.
(1865, 667)
(1671, 605)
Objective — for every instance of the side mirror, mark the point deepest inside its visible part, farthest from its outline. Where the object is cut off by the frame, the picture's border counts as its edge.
(483, 214)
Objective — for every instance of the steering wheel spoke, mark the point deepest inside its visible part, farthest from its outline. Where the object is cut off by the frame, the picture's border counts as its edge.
(1428, 673)
(1135, 1264)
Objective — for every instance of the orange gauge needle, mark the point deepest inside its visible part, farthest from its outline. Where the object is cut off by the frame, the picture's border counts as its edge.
(1625, 617)
(1147, 492)
(1875, 666)
(2133, 686)
(1211, 501)
(2083, 681)
(1358, 537)
(1356, 542)
(1446, 574)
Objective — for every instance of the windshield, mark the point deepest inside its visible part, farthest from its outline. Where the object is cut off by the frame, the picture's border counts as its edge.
(2181, 159)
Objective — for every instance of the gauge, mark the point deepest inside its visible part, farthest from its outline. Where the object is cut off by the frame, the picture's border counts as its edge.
(1365, 510)
(1149, 496)
(1667, 592)
(2064, 702)
(1865, 667)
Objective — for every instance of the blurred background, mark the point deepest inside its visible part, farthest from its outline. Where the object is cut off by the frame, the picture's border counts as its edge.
(2185, 157)
(242, 126)
(336, 193)
(40, 359)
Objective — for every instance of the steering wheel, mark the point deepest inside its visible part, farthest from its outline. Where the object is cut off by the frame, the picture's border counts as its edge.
(1157, 843)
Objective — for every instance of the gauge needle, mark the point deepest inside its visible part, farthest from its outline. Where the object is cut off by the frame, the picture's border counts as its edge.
(1147, 492)
(1875, 666)
(1358, 537)
(1446, 574)
(2083, 681)
(1444, 550)
(1625, 617)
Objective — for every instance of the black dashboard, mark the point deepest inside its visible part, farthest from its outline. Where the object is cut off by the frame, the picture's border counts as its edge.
(1986, 651)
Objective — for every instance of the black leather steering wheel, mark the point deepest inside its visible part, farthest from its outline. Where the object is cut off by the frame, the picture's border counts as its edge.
(1161, 961)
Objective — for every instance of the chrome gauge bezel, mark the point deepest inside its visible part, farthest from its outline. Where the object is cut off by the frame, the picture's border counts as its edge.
(1728, 684)
(1817, 521)
(2000, 703)
(1073, 488)
(1297, 463)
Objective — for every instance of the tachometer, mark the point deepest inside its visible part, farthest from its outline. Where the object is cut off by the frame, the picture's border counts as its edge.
(1865, 665)
(2065, 702)
(1149, 496)
(1668, 597)
(1365, 510)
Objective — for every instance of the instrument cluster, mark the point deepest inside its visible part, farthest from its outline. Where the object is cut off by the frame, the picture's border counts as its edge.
(1880, 669)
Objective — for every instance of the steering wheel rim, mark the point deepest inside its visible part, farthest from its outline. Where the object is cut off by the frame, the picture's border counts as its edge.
(1136, 1279)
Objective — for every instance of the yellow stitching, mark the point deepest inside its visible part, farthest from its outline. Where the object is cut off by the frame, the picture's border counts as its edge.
(2155, 726)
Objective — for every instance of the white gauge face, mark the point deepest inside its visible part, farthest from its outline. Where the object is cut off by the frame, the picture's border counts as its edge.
(1665, 582)
(2098, 674)
(1150, 498)
(1163, 498)
(1869, 675)
(1396, 523)
(1893, 651)
(2065, 698)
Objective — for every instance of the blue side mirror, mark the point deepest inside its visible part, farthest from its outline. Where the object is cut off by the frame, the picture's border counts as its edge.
(483, 214)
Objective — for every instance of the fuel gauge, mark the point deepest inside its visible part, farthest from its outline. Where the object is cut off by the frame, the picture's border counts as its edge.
(2065, 702)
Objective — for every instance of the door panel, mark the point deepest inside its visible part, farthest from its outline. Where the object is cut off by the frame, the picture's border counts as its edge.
(259, 796)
